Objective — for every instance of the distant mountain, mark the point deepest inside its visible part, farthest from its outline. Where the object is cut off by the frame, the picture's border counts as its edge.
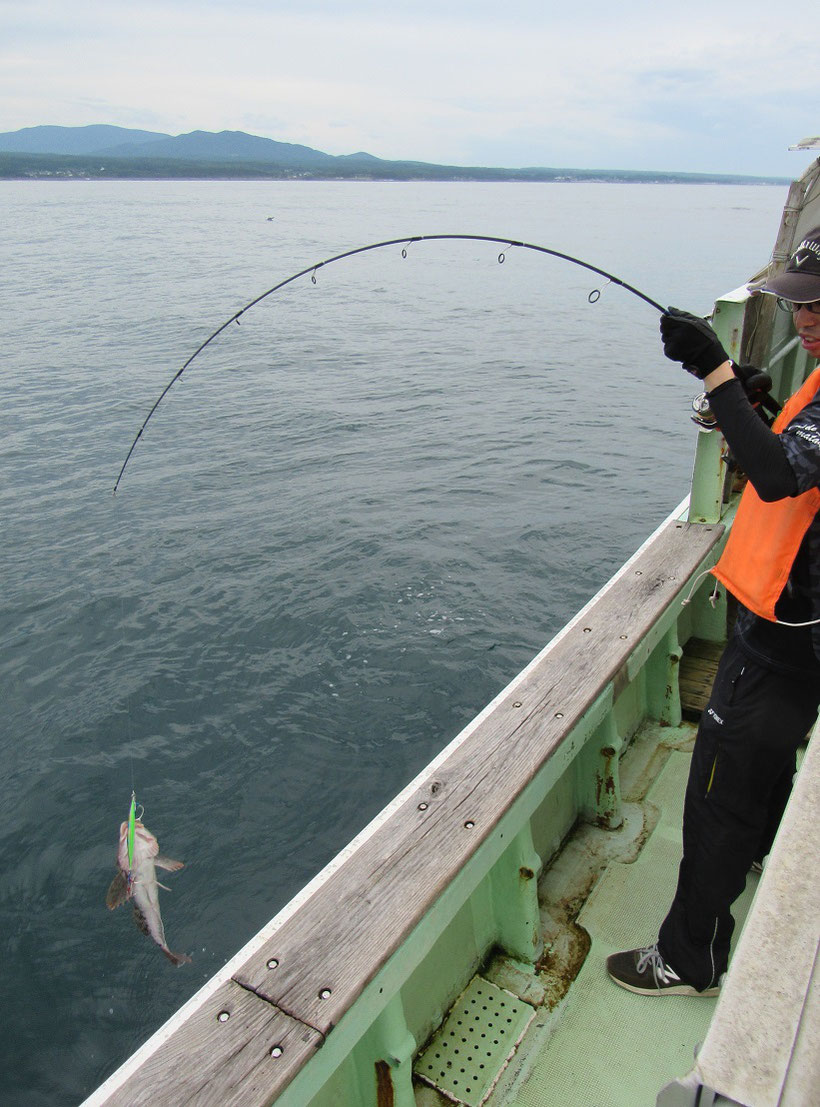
(120, 142)
(73, 140)
(363, 157)
(226, 145)
(106, 152)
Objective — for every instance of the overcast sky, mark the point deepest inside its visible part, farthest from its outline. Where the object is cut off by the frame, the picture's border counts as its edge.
(637, 84)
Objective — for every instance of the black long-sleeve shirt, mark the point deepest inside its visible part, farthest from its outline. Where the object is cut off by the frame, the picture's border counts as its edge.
(757, 450)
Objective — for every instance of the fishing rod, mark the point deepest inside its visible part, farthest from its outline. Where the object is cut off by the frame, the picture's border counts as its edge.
(509, 243)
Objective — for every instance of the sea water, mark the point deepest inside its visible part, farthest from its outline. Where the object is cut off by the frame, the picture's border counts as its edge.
(350, 523)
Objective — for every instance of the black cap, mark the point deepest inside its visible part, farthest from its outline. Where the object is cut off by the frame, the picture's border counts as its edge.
(800, 280)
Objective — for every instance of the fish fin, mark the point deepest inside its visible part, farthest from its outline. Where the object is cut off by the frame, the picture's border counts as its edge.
(166, 863)
(176, 958)
(117, 892)
(165, 886)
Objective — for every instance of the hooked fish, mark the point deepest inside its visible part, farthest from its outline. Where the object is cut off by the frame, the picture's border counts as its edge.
(138, 858)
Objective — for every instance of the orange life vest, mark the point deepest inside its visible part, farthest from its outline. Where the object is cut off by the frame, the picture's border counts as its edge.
(765, 537)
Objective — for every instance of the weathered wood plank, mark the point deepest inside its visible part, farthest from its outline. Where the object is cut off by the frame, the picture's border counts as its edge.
(706, 651)
(324, 956)
(235, 1049)
(697, 674)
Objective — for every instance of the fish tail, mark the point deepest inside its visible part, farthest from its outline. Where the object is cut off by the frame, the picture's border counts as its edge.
(176, 958)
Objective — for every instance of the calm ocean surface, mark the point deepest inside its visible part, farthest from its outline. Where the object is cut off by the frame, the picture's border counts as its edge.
(353, 521)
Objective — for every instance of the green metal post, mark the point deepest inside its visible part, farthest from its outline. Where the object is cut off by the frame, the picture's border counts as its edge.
(607, 778)
(708, 479)
(662, 684)
(396, 1046)
(597, 776)
(514, 889)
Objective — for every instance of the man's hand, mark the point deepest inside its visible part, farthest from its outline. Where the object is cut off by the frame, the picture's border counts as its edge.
(689, 339)
(756, 382)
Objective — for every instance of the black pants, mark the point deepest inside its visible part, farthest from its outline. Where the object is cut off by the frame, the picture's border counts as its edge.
(739, 783)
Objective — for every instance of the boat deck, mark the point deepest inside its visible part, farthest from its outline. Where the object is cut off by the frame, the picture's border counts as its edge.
(600, 1045)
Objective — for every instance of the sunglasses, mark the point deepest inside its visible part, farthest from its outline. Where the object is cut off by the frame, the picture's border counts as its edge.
(791, 306)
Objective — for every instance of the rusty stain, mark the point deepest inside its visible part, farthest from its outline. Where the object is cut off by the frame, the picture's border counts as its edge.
(525, 873)
(384, 1085)
(604, 786)
(559, 967)
(605, 783)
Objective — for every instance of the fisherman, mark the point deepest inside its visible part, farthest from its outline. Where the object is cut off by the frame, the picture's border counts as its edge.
(767, 689)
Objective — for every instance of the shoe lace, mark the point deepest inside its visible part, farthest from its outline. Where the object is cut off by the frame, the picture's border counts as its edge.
(650, 957)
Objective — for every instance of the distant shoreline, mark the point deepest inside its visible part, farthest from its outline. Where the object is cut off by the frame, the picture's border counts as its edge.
(61, 167)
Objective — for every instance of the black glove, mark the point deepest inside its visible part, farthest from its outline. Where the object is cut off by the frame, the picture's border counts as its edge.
(689, 339)
(757, 384)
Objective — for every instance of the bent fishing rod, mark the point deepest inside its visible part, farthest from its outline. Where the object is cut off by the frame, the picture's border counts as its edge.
(508, 243)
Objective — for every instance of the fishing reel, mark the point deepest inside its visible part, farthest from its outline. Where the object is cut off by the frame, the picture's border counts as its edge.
(757, 384)
(702, 413)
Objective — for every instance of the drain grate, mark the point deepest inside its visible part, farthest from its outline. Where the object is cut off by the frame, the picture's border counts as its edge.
(469, 1051)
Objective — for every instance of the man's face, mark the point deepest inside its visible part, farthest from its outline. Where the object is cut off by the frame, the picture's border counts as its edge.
(807, 325)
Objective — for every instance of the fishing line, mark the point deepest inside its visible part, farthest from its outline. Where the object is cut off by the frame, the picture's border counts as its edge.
(129, 745)
(125, 542)
(404, 242)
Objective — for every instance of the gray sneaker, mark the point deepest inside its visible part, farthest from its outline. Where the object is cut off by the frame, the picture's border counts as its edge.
(644, 971)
